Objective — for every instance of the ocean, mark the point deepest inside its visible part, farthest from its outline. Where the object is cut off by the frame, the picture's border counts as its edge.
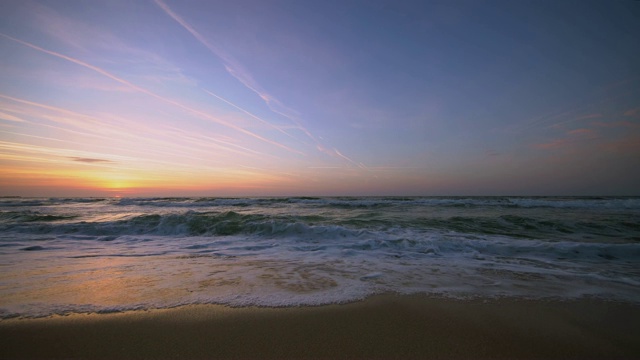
(66, 255)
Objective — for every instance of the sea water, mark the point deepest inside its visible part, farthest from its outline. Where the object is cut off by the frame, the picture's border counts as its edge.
(110, 254)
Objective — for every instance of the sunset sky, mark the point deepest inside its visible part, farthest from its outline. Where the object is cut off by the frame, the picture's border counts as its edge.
(229, 98)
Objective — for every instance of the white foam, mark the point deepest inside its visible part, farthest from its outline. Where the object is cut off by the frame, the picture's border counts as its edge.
(114, 255)
(254, 270)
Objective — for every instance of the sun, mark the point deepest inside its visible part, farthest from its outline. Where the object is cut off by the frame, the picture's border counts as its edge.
(117, 184)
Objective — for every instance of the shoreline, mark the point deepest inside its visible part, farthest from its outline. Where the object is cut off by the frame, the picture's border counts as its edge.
(383, 326)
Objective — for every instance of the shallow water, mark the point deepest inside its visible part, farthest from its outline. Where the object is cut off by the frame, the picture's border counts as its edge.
(107, 254)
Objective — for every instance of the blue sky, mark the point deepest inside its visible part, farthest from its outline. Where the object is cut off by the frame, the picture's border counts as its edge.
(137, 98)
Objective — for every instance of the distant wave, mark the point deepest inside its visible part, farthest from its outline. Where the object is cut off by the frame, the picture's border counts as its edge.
(194, 223)
(344, 202)
(372, 202)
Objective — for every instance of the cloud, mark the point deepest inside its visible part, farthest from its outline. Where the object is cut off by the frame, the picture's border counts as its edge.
(88, 37)
(582, 132)
(89, 160)
(238, 71)
(628, 145)
(589, 116)
(632, 112)
(360, 165)
(89, 126)
(51, 155)
(617, 124)
(129, 131)
(9, 117)
(219, 143)
(232, 66)
(30, 152)
(248, 113)
(555, 144)
(196, 112)
(572, 137)
(235, 68)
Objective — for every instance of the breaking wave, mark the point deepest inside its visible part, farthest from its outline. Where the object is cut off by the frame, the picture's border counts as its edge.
(143, 253)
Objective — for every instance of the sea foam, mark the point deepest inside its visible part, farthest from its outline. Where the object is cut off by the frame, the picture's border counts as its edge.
(77, 255)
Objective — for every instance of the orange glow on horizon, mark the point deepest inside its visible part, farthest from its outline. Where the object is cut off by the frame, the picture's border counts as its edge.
(85, 180)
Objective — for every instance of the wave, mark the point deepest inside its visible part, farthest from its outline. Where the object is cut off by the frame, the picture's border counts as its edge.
(505, 236)
(622, 227)
(190, 223)
(32, 216)
(217, 234)
(381, 202)
(345, 202)
(276, 254)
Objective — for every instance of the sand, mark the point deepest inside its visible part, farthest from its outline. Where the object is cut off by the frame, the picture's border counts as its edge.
(384, 327)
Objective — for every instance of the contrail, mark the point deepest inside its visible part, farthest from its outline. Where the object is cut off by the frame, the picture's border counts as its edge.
(247, 112)
(360, 165)
(145, 91)
(230, 64)
(82, 120)
(236, 70)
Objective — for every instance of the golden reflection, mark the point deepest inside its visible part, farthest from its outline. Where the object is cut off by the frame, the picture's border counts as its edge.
(98, 281)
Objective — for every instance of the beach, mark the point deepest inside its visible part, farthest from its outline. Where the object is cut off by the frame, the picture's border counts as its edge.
(320, 278)
(385, 326)
(319, 179)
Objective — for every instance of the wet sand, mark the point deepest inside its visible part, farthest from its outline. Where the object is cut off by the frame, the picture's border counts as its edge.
(383, 327)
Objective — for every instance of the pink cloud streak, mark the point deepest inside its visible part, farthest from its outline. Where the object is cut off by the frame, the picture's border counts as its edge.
(145, 91)
(582, 132)
(617, 124)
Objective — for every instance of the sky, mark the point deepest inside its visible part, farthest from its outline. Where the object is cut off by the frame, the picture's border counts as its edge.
(286, 98)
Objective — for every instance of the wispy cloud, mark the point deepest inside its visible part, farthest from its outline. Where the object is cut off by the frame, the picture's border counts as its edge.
(360, 165)
(247, 112)
(632, 112)
(63, 116)
(172, 102)
(589, 116)
(67, 30)
(628, 145)
(219, 143)
(617, 124)
(103, 130)
(554, 144)
(234, 67)
(571, 137)
(578, 110)
(237, 70)
(91, 39)
(9, 117)
(39, 153)
(582, 132)
(48, 155)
